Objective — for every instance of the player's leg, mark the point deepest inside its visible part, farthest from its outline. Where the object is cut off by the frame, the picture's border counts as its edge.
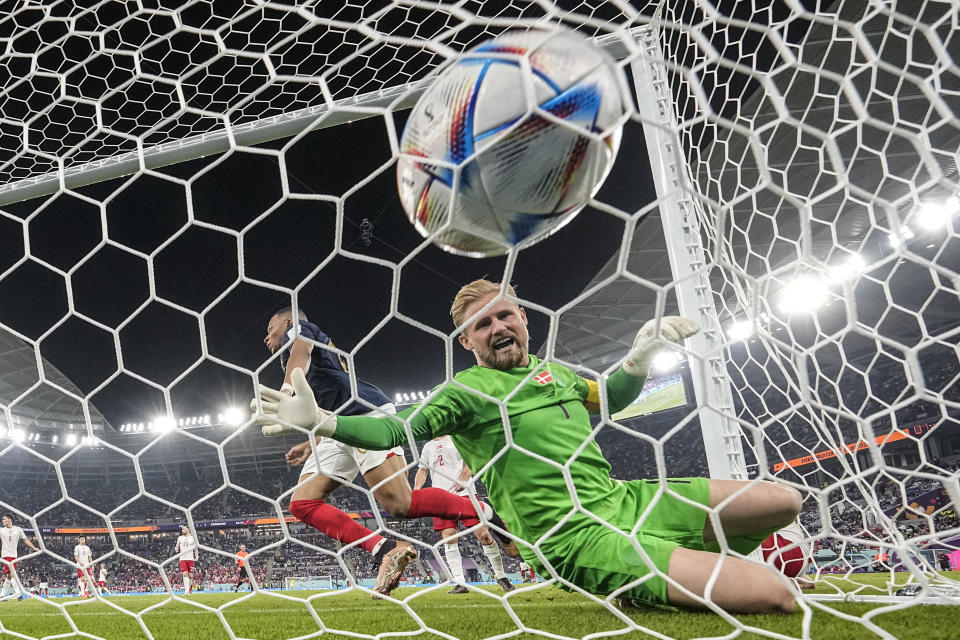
(384, 471)
(523, 572)
(185, 576)
(7, 582)
(676, 538)
(17, 585)
(750, 511)
(492, 551)
(451, 551)
(740, 586)
(324, 471)
(339, 461)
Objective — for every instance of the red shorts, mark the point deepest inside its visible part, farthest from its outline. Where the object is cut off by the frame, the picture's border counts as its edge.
(80, 572)
(101, 583)
(186, 566)
(6, 567)
(439, 524)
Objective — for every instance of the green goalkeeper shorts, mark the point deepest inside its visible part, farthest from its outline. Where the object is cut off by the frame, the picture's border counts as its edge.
(602, 561)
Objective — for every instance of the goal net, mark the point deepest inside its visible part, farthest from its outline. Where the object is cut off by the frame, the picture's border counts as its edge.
(172, 173)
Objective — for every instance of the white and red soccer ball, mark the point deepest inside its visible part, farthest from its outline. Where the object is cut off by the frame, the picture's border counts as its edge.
(511, 141)
(788, 551)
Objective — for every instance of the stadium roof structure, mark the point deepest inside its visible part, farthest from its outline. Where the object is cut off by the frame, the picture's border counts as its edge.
(51, 403)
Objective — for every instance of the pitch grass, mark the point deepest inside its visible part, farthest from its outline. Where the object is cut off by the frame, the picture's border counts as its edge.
(473, 616)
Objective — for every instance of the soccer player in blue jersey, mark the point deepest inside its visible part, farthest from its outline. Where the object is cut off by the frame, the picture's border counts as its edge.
(328, 464)
(659, 539)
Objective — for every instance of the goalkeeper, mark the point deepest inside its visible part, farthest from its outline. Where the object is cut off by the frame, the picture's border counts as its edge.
(661, 545)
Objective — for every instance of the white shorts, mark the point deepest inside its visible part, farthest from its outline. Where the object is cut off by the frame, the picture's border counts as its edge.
(341, 461)
(43, 585)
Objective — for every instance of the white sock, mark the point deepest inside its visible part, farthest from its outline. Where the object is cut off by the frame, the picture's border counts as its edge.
(452, 551)
(496, 562)
(186, 584)
(6, 583)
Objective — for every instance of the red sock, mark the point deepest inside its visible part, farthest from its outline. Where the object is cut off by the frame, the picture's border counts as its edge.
(331, 521)
(440, 504)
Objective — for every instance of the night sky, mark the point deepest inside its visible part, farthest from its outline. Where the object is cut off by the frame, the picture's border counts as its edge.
(347, 297)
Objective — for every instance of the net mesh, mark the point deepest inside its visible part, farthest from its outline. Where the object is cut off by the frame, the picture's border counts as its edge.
(810, 146)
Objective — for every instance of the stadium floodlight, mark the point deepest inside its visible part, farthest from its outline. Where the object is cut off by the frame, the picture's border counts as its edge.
(17, 435)
(70, 439)
(804, 294)
(164, 424)
(55, 439)
(420, 395)
(399, 397)
(740, 330)
(937, 214)
(234, 416)
(906, 233)
(849, 269)
(666, 361)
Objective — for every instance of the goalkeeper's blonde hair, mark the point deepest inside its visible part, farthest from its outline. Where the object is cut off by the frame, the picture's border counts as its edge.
(472, 292)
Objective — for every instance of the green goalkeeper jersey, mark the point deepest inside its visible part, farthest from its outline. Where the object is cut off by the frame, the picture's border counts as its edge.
(553, 456)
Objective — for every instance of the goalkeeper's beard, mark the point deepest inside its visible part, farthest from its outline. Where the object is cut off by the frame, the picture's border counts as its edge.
(510, 358)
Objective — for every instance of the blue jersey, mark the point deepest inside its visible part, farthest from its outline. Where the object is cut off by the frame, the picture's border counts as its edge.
(328, 376)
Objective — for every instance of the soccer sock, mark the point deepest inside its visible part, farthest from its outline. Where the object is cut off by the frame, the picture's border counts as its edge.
(442, 504)
(452, 551)
(6, 583)
(496, 562)
(335, 523)
(382, 549)
(186, 583)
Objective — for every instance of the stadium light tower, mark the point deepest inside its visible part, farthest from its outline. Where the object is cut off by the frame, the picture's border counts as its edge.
(164, 424)
(937, 214)
(740, 330)
(666, 361)
(848, 269)
(233, 416)
(803, 294)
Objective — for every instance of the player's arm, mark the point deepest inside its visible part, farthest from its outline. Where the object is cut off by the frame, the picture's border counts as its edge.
(463, 479)
(299, 453)
(420, 479)
(278, 411)
(626, 383)
(28, 541)
(299, 358)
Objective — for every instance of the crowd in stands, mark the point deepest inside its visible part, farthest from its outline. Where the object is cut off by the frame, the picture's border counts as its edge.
(882, 510)
(856, 517)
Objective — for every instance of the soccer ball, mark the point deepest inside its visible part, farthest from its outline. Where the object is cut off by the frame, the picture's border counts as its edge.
(788, 551)
(511, 141)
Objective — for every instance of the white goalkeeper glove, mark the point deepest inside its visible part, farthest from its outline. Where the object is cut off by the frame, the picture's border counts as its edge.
(300, 410)
(649, 341)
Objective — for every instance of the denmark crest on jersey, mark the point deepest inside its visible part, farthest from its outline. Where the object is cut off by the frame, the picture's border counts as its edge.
(543, 377)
